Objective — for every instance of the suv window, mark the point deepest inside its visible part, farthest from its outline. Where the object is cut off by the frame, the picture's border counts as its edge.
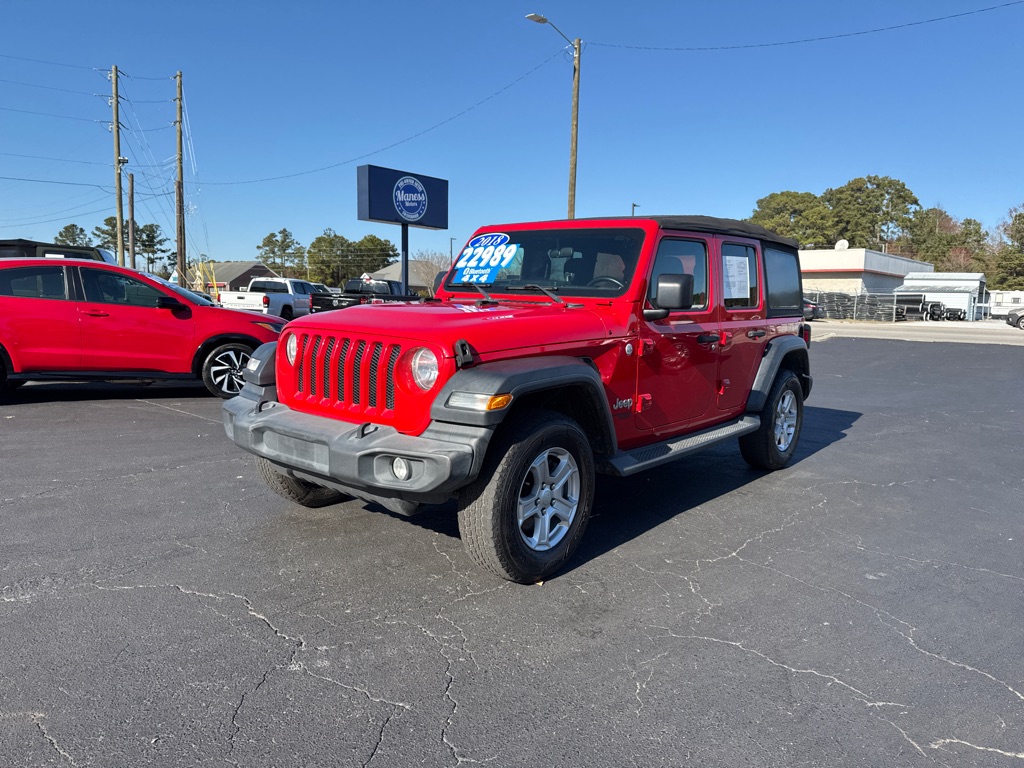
(35, 282)
(782, 278)
(739, 276)
(112, 288)
(682, 257)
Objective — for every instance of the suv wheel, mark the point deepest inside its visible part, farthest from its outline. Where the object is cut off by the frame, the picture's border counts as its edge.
(774, 443)
(526, 513)
(1020, 322)
(299, 491)
(223, 368)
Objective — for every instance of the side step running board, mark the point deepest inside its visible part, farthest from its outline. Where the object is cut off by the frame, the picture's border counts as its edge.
(626, 463)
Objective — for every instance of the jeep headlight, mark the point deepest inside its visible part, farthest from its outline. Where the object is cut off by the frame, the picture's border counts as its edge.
(291, 348)
(423, 366)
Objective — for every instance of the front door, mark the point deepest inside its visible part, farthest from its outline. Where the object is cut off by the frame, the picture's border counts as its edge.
(678, 356)
(123, 330)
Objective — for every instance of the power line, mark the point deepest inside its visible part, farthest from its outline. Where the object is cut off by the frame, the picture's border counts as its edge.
(65, 117)
(50, 88)
(813, 39)
(54, 159)
(66, 183)
(53, 63)
(400, 141)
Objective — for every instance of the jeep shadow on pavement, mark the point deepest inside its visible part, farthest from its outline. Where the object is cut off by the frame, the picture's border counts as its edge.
(553, 351)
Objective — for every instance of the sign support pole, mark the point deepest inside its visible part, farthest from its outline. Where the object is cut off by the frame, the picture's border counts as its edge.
(405, 258)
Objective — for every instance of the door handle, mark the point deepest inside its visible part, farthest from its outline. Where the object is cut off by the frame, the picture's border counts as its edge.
(708, 338)
(757, 334)
(95, 313)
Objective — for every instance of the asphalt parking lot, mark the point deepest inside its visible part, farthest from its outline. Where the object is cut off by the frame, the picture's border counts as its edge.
(863, 607)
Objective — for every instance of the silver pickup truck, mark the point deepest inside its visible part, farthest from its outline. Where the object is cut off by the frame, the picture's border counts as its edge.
(286, 297)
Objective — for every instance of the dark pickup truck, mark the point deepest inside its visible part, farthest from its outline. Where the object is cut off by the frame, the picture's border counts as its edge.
(362, 291)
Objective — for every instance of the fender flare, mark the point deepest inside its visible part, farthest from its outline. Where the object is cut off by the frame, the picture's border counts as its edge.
(519, 377)
(775, 353)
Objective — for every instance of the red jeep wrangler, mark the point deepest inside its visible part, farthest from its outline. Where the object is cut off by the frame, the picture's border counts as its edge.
(551, 351)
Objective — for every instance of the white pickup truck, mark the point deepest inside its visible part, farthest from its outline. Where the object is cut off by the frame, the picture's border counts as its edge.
(285, 297)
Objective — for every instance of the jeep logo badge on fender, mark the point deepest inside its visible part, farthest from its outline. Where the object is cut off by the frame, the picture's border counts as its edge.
(410, 198)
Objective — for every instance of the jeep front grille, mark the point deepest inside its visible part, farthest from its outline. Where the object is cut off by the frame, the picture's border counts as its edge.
(352, 373)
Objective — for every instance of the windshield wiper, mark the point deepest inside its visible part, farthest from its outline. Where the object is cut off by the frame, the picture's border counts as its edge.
(486, 296)
(549, 292)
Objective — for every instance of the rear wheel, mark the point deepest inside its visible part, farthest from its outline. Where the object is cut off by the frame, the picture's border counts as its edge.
(299, 491)
(526, 513)
(287, 313)
(773, 444)
(223, 369)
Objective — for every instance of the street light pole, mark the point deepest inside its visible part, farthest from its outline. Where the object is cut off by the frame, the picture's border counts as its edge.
(576, 50)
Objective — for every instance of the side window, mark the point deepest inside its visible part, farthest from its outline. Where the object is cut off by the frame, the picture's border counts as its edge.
(782, 278)
(105, 287)
(41, 282)
(739, 276)
(682, 257)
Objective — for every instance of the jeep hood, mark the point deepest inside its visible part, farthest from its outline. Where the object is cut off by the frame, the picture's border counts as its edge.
(488, 329)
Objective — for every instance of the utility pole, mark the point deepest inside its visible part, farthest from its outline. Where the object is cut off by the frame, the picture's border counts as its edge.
(179, 188)
(575, 124)
(118, 162)
(131, 220)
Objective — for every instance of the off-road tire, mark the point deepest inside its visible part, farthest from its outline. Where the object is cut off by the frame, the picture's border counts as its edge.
(537, 447)
(298, 491)
(223, 368)
(773, 444)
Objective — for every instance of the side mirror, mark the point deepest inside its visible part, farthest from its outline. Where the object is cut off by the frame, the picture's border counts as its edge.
(673, 292)
(169, 302)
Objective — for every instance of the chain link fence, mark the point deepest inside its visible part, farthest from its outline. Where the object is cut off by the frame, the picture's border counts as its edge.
(882, 307)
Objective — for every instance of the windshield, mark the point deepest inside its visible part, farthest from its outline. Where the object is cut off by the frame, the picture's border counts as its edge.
(573, 262)
(195, 298)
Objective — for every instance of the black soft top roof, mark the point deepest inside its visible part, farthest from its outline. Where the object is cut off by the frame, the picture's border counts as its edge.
(723, 226)
(711, 224)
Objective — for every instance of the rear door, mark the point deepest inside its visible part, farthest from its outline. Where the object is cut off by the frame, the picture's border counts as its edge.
(122, 329)
(39, 325)
(678, 356)
(744, 333)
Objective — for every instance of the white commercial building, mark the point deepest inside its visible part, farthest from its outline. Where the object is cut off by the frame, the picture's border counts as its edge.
(856, 270)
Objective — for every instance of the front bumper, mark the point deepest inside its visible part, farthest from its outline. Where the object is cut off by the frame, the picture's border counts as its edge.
(357, 457)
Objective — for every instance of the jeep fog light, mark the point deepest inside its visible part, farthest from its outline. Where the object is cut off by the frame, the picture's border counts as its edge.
(424, 368)
(474, 402)
(400, 468)
(291, 348)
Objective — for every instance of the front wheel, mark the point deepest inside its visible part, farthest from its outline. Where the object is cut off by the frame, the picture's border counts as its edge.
(223, 369)
(299, 491)
(526, 513)
(773, 444)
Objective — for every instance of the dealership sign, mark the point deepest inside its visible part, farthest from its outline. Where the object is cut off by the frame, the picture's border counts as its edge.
(399, 197)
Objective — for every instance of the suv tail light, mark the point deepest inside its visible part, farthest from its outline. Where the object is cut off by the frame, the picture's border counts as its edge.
(805, 333)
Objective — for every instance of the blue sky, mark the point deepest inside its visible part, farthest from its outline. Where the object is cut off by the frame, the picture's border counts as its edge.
(474, 93)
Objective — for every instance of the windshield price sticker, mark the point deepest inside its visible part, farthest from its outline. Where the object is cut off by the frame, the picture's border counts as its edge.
(483, 258)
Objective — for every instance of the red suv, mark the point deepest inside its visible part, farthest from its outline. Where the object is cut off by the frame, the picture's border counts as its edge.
(552, 351)
(82, 319)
